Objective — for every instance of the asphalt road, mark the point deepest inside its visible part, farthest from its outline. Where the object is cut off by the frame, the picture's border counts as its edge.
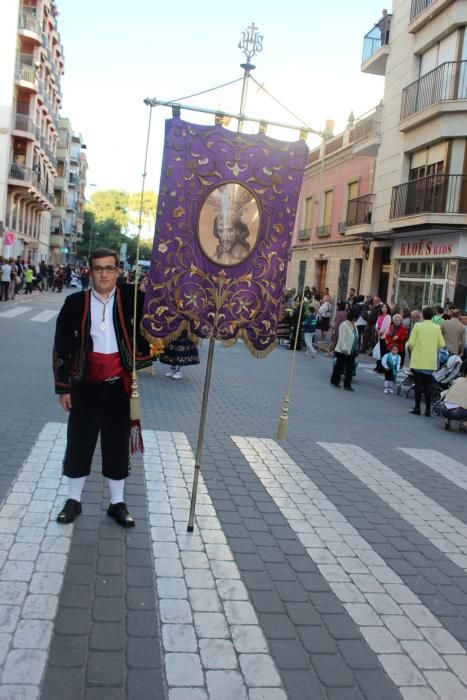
(331, 564)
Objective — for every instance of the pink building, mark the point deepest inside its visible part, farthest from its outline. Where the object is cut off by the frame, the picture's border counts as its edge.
(336, 200)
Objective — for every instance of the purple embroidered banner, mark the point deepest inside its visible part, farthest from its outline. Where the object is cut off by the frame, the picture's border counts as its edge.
(226, 211)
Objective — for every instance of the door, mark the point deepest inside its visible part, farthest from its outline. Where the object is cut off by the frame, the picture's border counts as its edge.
(321, 274)
(301, 276)
(436, 295)
(343, 281)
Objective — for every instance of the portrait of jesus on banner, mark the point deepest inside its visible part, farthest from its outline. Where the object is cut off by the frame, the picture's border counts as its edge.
(228, 224)
(226, 211)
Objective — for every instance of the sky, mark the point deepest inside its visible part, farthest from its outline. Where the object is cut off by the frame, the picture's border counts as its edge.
(118, 53)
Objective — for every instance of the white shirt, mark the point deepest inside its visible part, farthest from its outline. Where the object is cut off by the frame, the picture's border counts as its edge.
(6, 272)
(102, 325)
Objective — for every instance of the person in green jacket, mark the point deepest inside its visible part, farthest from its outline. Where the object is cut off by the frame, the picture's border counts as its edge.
(28, 278)
(424, 342)
(439, 316)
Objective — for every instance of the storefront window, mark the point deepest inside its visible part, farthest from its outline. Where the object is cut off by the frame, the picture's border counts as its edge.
(421, 283)
(439, 268)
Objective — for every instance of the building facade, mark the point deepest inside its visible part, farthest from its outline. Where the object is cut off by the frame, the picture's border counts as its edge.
(419, 217)
(31, 67)
(336, 191)
(69, 185)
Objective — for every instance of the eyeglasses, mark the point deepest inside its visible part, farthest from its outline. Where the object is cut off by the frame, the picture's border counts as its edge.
(106, 268)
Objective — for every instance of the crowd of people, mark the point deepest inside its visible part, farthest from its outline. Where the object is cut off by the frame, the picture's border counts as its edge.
(20, 277)
(368, 325)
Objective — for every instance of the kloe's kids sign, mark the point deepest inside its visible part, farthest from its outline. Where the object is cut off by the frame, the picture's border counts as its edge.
(426, 248)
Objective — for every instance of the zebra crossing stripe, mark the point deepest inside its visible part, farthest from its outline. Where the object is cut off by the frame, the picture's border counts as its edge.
(209, 627)
(443, 530)
(449, 468)
(416, 651)
(16, 311)
(44, 316)
(34, 549)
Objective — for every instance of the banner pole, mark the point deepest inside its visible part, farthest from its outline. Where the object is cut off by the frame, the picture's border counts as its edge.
(251, 44)
(199, 447)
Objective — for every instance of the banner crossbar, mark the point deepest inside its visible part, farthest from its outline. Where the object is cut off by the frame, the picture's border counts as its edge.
(305, 130)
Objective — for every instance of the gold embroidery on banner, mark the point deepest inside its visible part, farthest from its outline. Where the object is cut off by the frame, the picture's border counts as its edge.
(221, 305)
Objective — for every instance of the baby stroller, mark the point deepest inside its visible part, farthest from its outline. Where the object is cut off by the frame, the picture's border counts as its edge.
(455, 368)
(444, 377)
(405, 381)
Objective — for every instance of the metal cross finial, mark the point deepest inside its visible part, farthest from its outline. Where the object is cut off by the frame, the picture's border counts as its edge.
(252, 42)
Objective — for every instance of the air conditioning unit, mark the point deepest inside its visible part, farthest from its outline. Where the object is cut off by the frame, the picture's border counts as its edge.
(341, 227)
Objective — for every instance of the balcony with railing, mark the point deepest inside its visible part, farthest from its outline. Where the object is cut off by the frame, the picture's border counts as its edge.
(26, 76)
(367, 133)
(30, 24)
(20, 173)
(423, 11)
(304, 234)
(324, 231)
(436, 199)
(376, 47)
(359, 213)
(443, 89)
(25, 124)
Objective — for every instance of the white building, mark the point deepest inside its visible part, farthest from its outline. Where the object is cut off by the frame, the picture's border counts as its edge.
(67, 218)
(418, 229)
(31, 67)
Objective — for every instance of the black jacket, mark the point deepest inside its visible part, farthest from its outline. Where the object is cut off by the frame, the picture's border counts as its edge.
(73, 338)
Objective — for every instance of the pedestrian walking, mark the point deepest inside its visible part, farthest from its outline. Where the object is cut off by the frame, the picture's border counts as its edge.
(92, 362)
(382, 327)
(424, 342)
(453, 333)
(397, 335)
(391, 362)
(28, 279)
(369, 336)
(324, 315)
(309, 328)
(179, 353)
(5, 278)
(345, 351)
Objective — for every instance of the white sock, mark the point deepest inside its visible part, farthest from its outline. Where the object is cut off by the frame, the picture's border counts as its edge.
(75, 487)
(386, 384)
(116, 487)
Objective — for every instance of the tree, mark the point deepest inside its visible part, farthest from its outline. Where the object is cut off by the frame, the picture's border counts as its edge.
(148, 212)
(106, 223)
(105, 233)
(111, 205)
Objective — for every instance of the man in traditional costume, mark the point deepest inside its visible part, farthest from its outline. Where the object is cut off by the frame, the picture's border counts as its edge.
(92, 361)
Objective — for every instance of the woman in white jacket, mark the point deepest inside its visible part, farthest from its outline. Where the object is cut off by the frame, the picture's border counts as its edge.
(345, 351)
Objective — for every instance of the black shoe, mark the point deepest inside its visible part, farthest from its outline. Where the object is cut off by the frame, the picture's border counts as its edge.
(428, 413)
(119, 512)
(349, 388)
(415, 411)
(70, 511)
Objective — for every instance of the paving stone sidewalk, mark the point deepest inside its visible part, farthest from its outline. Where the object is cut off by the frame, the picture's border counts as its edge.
(240, 608)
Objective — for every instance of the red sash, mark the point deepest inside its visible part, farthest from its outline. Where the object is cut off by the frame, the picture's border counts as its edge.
(101, 366)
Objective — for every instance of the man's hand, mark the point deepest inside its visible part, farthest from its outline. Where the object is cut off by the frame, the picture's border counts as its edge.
(65, 401)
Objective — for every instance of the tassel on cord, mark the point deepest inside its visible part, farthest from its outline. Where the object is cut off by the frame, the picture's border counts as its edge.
(136, 433)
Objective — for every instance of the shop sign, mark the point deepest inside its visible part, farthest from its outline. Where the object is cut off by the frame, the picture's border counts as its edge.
(426, 248)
